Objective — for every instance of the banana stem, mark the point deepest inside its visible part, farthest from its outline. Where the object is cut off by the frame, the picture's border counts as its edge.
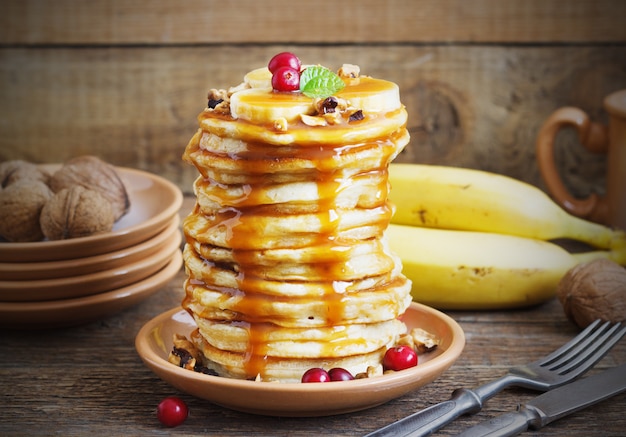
(618, 256)
(594, 234)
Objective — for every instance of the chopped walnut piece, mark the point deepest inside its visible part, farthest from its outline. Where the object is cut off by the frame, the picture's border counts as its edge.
(349, 71)
(313, 121)
(223, 107)
(215, 94)
(374, 370)
(333, 118)
(219, 101)
(213, 103)
(370, 372)
(405, 340)
(356, 116)
(185, 354)
(182, 358)
(281, 125)
(330, 105)
(424, 341)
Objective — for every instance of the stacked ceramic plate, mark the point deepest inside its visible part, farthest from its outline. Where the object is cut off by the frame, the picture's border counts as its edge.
(68, 282)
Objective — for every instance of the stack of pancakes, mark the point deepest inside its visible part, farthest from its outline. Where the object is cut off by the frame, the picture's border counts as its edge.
(286, 261)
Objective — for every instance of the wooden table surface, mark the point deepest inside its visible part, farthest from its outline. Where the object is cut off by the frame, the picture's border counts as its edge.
(90, 380)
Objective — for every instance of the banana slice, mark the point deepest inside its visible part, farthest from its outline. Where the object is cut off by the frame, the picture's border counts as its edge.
(259, 78)
(259, 104)
(372, 95)
(262, 105)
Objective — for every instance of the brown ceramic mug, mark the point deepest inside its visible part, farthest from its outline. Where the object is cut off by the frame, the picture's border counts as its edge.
(609, 209)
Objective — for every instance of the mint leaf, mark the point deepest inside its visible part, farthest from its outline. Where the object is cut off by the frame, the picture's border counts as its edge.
(318, 81)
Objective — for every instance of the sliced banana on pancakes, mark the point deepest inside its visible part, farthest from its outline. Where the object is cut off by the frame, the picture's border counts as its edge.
(261, 104)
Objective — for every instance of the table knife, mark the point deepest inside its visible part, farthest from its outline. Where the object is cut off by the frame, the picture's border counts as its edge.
(554, 405)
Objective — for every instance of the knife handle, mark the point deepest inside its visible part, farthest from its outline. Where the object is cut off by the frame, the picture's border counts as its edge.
(429, 420)
(508, 424)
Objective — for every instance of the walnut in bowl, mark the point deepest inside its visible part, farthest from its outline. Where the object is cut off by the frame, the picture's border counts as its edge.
(76, 212)
(17, 169)
(20, 206)
(92, 173)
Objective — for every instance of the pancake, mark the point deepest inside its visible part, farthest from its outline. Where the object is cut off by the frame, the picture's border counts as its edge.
(368, 306)
(328, 252)
(366, 190)
(225, 231)
(300, 164)
(310, 342)
(355, 268)
(278, 369)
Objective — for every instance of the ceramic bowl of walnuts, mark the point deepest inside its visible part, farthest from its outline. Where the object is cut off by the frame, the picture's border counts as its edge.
(80, 231)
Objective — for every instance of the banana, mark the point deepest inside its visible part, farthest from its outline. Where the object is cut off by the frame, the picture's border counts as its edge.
(371, 95)
(260, 104)
(263, 106)
(258, 78)
(474, 200)
(479, 270)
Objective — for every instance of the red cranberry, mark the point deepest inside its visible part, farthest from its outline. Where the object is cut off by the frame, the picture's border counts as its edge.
(399, 358)
(284, 59)
(340, 374)
(286, 79)
(316, 374)
(172, 411)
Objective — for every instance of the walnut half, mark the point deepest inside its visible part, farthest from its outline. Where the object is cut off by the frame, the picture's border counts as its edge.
(92, 173)
(15, 170)
(76, 212)
(20, 206)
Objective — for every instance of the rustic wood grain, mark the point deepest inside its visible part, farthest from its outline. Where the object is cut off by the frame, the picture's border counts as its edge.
(90, 380)
(470, 106)
(325, 21)
(125, 80)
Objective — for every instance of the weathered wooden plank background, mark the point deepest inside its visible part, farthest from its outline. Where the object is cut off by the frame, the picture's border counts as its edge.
(126, 79)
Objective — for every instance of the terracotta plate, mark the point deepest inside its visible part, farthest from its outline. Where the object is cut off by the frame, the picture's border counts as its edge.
(90, 264)
(154, 341)
(92, 283)
(153, 203)
(71, 312)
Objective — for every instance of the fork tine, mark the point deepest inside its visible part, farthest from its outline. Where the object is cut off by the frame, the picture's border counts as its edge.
(570, 344)
(587, 360)
(584, 344)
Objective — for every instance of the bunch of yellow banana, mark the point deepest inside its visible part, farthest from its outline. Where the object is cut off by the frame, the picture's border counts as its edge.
(470, 239)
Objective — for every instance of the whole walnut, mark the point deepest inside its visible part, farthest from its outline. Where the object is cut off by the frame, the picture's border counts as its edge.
(594, 290)
(76, 212)
(15, 170)
(92, 173)
(20, 206)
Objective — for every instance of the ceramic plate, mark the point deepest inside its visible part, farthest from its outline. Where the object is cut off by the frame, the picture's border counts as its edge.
(71, 312)
(153, 203)
(92, 283)
(91, 264)
(154, 342)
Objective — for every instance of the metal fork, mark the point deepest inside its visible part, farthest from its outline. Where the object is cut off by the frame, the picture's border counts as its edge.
(561, 366)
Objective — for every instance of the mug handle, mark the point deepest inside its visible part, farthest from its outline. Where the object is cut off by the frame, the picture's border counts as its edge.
(594, 136)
